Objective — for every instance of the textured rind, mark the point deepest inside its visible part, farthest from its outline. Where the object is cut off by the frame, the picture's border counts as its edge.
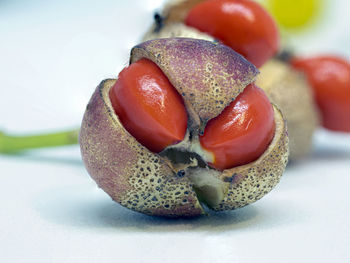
(289, 89)
(140, 180)
(250, 182)
(132, 175)
(207, 75)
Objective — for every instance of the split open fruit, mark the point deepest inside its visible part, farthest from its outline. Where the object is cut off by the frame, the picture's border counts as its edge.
(247, 28)
(202, 86)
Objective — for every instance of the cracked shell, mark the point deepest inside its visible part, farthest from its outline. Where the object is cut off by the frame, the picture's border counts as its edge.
(145, 181)
(128, 172)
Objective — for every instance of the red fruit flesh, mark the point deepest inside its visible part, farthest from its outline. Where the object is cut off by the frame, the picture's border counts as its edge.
(242, 25)
(153, 112)
(329, 77)
(242, 132)
(148, 106)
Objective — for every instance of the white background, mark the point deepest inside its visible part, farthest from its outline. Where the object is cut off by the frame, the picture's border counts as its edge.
(52, 55)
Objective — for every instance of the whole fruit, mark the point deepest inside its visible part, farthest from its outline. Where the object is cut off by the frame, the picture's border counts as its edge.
(178, 180)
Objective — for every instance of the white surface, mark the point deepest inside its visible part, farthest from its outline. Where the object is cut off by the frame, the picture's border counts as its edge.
(52, 57)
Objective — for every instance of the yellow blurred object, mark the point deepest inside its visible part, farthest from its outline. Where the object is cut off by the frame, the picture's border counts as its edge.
(294, 14)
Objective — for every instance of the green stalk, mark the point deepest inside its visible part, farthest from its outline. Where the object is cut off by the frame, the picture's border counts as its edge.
(14, 144)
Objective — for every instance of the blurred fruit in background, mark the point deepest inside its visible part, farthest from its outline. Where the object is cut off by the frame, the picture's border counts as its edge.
(294, 14)
(329, 77)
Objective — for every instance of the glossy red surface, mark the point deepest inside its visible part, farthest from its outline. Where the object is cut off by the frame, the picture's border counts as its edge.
(243, 25)
(242, 132)
(329, 77)
(149, 106)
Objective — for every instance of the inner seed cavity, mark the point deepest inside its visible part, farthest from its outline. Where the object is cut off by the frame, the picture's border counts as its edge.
(210, 190)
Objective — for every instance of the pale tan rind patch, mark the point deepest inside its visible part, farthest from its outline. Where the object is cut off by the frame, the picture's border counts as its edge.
(170, 30)
(288, 89)
(177, 10)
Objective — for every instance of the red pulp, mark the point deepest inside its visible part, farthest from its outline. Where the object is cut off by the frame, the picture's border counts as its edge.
(148, 106)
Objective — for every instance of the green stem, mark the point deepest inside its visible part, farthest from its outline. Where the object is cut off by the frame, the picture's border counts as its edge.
(13, 144)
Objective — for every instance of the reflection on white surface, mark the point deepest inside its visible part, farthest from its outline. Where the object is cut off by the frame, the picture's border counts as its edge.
(52, 57)
(52, 211)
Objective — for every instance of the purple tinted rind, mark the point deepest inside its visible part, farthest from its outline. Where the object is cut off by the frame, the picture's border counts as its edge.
(117, 162)
(132, 175)
(97, 154)
(207, 75)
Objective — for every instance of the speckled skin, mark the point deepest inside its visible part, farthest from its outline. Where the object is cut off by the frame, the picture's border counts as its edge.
(144, 181)
(289, 89)
(132, 175)
(207, 75)
(250, 182)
